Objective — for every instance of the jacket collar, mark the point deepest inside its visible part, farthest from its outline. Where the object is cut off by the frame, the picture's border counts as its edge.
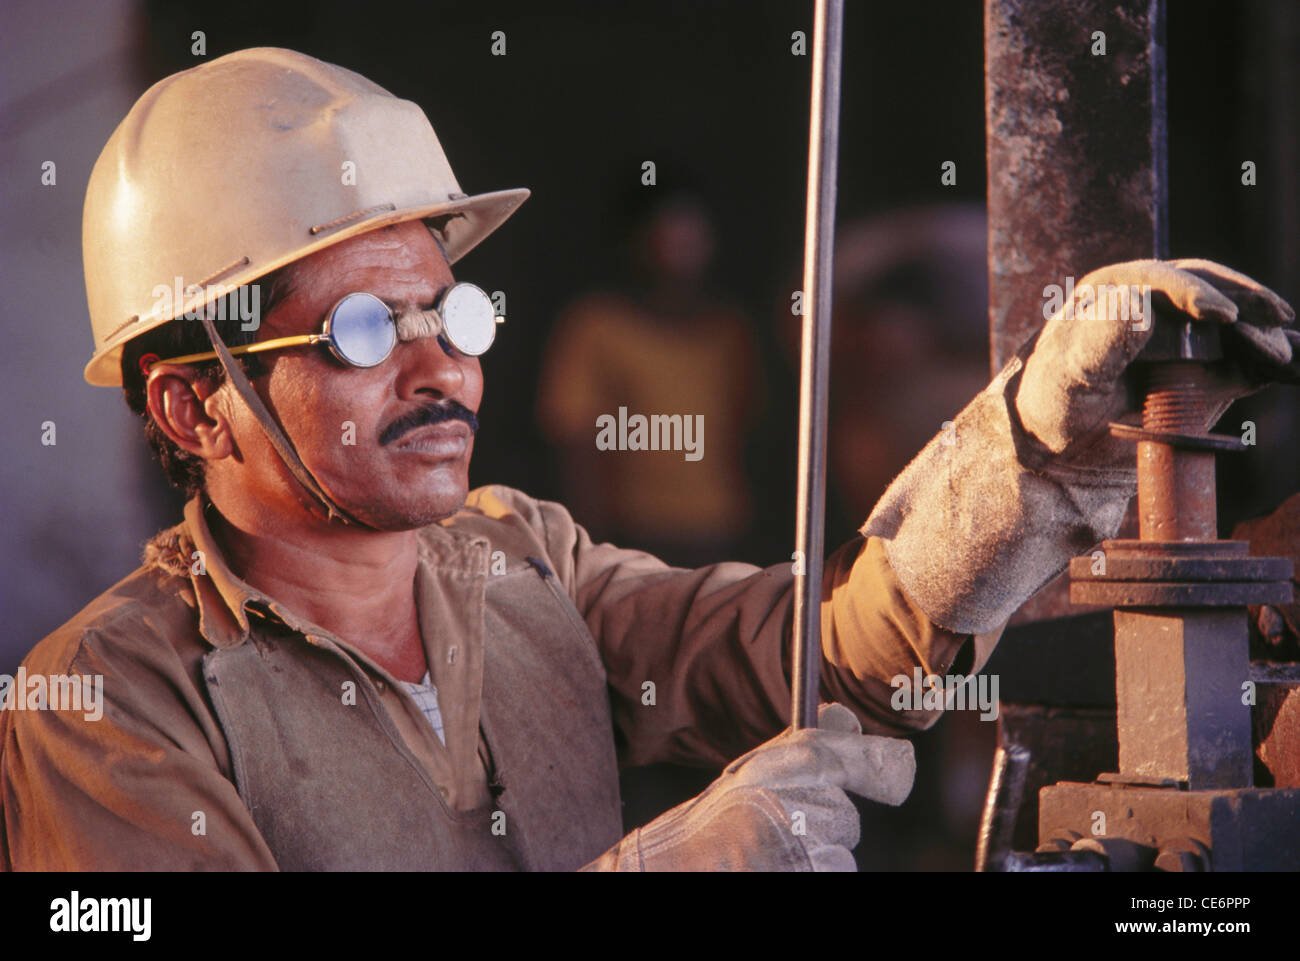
(226, 603)
(224, 600)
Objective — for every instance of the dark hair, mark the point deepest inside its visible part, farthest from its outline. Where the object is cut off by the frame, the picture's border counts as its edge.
(187, 336)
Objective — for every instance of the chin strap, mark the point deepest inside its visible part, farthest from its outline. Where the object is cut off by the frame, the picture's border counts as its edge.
(283, 446)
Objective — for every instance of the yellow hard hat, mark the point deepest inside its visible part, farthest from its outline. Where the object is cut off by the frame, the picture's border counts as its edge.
(225, 172)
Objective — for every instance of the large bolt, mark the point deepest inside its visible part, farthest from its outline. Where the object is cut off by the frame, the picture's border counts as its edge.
(1176, 490)
(1121, 853)
(1183, 855)
(1062, 842)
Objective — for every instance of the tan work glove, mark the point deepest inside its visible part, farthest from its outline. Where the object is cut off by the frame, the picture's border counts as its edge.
(781, 807)
(1027, 475)
(1073, 385)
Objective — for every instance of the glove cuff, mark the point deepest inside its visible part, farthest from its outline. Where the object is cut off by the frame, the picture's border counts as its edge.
(985, 515)
(742, 828)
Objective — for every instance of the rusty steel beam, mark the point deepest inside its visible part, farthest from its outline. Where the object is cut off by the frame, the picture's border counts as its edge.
(1075, 148)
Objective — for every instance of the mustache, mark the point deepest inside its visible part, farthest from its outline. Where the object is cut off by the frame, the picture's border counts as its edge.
(424, 416)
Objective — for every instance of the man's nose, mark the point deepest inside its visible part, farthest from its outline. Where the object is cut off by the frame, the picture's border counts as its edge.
(425, 368)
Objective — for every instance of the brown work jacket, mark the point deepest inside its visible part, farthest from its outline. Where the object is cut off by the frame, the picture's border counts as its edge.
(236, 735)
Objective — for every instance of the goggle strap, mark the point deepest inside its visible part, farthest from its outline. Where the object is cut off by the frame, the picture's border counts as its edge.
(254, 348)
(274, 434)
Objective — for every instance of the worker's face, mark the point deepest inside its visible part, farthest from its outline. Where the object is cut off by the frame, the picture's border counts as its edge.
(391, 444)
(678, 242)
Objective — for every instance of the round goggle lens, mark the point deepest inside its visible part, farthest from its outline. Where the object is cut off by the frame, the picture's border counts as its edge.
(468, 319)
(362, 332)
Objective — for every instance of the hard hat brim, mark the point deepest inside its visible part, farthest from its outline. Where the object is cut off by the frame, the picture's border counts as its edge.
(480, 215)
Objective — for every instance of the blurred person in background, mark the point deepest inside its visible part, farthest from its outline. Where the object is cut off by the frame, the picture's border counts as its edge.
(664, 342)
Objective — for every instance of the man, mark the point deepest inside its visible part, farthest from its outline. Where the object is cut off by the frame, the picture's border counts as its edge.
(343, 659)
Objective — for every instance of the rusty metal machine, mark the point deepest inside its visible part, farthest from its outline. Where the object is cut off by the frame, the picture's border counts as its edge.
(1184, 797)
(1195, 769)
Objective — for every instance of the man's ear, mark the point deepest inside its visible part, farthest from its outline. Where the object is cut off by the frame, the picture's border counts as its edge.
(185, 407)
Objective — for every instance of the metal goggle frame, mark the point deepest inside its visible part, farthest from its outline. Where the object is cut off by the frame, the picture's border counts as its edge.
(362, 330)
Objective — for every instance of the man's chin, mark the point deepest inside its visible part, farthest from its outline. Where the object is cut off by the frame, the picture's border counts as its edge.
(408, 510)
(415, 516)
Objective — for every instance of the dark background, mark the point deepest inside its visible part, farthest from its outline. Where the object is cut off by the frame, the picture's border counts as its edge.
(585, 94)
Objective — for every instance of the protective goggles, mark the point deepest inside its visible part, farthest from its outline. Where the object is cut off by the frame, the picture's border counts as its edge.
(362, 330)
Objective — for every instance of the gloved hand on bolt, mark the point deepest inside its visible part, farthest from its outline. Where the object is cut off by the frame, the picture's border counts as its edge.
(1029, 475)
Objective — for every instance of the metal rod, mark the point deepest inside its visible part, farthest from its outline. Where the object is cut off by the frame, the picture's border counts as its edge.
(814, 363)
(1002, 806)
